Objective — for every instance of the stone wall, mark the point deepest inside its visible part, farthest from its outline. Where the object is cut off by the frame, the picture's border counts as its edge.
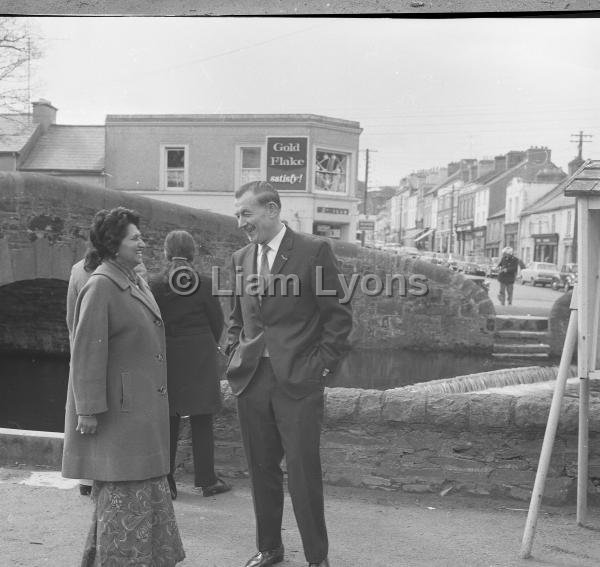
(558, 323)
(44, 225)
(483, 442)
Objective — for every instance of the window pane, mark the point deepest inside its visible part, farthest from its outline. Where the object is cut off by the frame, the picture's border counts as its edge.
(175, 178)
(175, 158)
(250, 158)
(249, 175)
(330, 171)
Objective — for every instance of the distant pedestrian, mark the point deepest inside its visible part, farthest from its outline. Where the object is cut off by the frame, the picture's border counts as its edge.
(193, 325)
(509, 266)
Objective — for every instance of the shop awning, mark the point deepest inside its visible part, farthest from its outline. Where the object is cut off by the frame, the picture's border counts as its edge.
(424, 235)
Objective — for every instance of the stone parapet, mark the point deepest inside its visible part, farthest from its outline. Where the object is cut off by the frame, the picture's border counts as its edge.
(484, 442)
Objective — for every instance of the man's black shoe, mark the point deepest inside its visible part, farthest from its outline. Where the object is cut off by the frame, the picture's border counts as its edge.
(263, 558)
(85, 489)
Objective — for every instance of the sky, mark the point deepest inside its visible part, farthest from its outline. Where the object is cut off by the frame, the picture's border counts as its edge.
(426, 92)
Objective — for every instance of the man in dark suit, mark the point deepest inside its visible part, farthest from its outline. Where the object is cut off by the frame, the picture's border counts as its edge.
(282, 345)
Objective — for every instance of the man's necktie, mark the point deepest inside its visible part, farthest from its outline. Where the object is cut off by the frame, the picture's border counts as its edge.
(265, 272)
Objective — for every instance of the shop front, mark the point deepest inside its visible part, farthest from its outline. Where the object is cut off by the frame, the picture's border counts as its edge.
(464, 237)
(545, 248)
(479, 241)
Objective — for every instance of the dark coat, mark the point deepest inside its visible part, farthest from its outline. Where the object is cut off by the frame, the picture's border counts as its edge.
(305, 333)
(118, 373)
(509, 266)
(193, 325)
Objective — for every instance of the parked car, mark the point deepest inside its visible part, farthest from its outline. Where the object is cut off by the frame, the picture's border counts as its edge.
(408, 251)
(567, 279)
(473, 269)
(539, 273)
(491, 268)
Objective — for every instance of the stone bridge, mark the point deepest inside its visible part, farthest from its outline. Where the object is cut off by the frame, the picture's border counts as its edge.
(44, 226)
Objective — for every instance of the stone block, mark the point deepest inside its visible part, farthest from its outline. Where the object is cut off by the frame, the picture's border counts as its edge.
(489, 411)
(371, 481)
(341, 404)
(403, 407)
(369, 406)
(513, 477)
(532, 411)
(569, 414)
(418, 488)
(560, 491)
(447, 410)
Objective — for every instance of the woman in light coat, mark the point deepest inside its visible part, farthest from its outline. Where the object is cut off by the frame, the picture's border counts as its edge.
(117, 416)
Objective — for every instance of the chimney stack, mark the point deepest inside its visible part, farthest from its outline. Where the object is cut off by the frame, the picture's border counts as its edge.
(539, 156)
(453, 167)
(44, 113)
(484, 166)
(499, 164)
(514, 158)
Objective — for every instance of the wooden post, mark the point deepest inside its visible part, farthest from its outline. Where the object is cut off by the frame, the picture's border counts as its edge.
(551, 427)
(586, 300)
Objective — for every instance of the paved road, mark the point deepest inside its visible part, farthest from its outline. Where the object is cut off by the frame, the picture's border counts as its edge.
(527, 300)
(47, 526)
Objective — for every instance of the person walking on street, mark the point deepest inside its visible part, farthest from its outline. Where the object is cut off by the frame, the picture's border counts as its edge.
(117, 413)
(193, 325)
(508, 267)
(282, 345)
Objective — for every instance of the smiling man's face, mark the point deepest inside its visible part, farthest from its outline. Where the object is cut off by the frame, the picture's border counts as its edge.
(260, 222)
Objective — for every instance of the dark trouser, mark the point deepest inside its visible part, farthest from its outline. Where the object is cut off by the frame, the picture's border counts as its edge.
(203, 447)
(506, 291)
(273, 424)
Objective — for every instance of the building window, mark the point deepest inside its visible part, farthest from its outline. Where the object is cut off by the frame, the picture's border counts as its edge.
(174, 168)
(553, 218)
(331, 171)
(250, 165)
(569, 221)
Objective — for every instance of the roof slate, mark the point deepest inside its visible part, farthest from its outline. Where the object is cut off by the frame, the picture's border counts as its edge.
(79, 148)
(15, 131)
(585, 181)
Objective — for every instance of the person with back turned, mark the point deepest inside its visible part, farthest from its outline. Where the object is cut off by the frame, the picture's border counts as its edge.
(282, 346)
(193, 325)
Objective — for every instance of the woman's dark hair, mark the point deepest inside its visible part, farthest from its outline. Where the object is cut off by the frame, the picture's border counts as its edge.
(180, 244)
(180, 250)
(106, 234)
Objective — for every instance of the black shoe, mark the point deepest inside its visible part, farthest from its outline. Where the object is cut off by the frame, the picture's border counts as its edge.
(85, 489)
(217, 488)
(263, 558)
(172, 486)
(324, 563)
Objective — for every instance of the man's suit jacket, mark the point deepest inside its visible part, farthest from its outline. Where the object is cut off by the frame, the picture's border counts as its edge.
(304, 332)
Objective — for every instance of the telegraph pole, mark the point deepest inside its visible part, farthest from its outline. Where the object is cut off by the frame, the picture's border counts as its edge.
(366, 191)
(366, 186)
(579, 143)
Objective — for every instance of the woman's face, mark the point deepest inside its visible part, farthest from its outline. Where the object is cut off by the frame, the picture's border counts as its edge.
(131, 248)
